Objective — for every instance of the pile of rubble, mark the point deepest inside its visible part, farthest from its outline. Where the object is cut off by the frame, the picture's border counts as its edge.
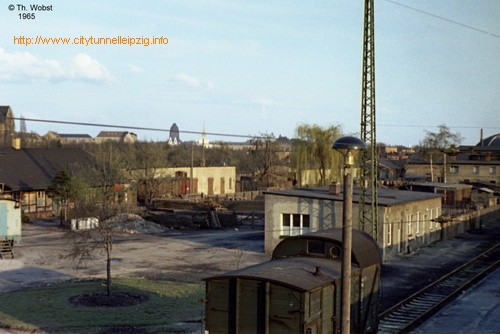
(133, 224)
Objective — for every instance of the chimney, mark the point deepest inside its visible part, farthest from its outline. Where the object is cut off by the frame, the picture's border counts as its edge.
(334, 188)
(16, 143)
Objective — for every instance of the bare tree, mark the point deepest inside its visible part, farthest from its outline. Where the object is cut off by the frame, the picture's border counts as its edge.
(441, 140)
(96, 237)
(94, 204)
(144, 161)
(440, 144)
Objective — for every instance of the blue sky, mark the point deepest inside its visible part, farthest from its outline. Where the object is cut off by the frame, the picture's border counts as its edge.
(255, 67)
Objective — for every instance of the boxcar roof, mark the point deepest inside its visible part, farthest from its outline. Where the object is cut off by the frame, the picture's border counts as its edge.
(298, 273)
(365, 250)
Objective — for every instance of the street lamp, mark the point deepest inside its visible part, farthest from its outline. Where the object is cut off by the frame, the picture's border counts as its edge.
(349, 147)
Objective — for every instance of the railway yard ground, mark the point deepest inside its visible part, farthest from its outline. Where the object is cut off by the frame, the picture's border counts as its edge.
(191, 255)
(408, 273)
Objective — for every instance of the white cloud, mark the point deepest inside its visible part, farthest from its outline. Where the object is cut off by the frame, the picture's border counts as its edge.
(19, 66)
(192, 81)
(267, 102)
(84, 66)
(187, 80)
(134, 68)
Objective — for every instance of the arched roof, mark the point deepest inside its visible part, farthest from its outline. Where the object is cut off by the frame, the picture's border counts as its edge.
(491, 141)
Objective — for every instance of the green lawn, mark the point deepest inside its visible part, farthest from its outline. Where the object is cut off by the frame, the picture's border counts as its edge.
(47, 308)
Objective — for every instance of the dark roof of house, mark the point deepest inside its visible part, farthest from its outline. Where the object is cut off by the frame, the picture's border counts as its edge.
(443, 186)
(34, 168)
(386, 197)
(490, 141)
(4, 110)
(73, 135)
(390, 164)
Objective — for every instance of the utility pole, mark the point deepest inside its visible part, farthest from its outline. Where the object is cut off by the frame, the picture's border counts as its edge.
(191, 169)
(368, 194)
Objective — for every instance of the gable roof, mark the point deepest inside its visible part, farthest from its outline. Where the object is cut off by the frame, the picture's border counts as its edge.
(386, 197)
(34, 168)
(4, 111)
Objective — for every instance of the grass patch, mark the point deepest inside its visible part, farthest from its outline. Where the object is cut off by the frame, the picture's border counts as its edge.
(48, 308)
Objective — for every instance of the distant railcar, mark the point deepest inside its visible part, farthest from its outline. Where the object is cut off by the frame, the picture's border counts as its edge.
(298, 290)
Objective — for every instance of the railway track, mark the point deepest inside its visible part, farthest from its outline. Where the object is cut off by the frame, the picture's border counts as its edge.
(412, 311)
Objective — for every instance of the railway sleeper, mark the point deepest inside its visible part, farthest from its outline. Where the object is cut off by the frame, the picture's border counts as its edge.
(427, 299)
(435, 297)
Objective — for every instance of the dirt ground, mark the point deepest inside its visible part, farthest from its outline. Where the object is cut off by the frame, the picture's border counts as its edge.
(191, 255)
(182, 255)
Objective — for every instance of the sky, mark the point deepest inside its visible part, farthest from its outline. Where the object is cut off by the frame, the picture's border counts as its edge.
(247, 68)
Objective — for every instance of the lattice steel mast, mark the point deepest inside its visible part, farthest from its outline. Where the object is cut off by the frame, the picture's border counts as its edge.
(368, 204)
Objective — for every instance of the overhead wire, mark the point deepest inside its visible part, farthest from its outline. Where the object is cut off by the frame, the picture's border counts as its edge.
(128, 127)
(444, 18)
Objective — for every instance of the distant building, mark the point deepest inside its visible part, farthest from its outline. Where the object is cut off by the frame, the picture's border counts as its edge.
(204, 142)
(204, 180)
(467, 164)
(117, 136)
(26, 174)
(68, 138)
(7, 126)
(174, 138)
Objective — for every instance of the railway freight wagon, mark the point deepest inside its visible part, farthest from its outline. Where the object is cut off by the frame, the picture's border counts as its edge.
(298, 290)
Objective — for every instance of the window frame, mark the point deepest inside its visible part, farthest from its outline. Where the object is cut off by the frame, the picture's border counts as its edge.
(295, 224)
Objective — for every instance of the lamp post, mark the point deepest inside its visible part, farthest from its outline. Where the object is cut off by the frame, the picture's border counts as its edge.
(348, 147)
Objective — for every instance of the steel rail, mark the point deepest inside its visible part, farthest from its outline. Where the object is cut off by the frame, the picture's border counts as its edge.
(410, 312)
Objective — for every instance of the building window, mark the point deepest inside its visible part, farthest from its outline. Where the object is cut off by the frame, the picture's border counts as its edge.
(389, 234)
(417, 224)
(475, 169)
(438, 225)
(493, 170)
(40, 199)
(431, 217)
(295, 224)
(409, 219)
(454, 169)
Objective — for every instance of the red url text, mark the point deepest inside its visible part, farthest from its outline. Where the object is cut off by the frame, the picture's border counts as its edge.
(86, 41)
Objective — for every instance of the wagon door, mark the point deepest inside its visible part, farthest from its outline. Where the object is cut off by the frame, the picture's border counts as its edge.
(220, 306)
(285, 310)
(251, 306)
(313, 325)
